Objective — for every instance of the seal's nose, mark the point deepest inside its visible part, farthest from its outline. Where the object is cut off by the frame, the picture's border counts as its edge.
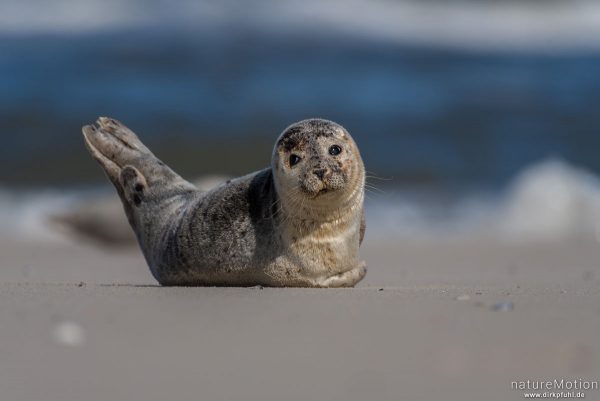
(320, 173)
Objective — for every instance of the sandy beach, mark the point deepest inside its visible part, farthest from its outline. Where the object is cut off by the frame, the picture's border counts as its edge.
(477, 122)
(452, 320)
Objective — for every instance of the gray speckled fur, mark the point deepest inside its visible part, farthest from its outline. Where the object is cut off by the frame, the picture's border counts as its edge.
(254, 230)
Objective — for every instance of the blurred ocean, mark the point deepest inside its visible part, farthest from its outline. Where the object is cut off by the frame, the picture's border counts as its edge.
(549, 201)
(458, 99)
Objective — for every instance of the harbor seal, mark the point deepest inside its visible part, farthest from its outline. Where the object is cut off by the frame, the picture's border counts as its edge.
(298, 223)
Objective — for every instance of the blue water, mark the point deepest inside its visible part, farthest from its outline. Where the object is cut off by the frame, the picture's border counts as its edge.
(420, 115)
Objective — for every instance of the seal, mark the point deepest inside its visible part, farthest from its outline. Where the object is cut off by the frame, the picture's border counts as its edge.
(298, 223)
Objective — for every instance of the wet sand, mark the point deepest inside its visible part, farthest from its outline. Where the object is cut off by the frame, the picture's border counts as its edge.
(86, 323)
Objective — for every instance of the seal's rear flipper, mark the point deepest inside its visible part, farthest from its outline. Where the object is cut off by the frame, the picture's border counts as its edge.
(132, 168)
(115, 146)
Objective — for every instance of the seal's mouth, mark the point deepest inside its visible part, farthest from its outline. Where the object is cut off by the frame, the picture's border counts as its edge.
(323, 191)
(320, 192)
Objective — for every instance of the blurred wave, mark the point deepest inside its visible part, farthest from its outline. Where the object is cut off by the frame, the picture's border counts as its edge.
(496, 24)
(25, 214)
(548, 201)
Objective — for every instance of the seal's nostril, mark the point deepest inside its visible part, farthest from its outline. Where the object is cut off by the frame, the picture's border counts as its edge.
(320, 173)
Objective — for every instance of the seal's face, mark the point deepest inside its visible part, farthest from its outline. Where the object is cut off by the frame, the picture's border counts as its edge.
(317, 159)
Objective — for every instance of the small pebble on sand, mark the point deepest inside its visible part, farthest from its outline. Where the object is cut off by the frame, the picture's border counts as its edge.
(69, 333)
(504, 306)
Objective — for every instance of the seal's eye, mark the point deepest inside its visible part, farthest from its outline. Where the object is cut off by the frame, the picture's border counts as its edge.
(335, 150)
(294, 159)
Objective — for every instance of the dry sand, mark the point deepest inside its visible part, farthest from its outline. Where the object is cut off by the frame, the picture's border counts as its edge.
(85, 323)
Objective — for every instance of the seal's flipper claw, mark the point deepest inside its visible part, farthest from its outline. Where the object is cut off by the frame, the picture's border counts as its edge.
(122, 133)
(112, 170)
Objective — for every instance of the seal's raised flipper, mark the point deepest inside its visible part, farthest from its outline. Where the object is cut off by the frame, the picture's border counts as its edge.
(132, 168)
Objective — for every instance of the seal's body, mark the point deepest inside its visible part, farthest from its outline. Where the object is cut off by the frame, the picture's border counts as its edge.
(298, 223)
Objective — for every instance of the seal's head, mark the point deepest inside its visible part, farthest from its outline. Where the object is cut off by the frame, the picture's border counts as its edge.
(317, 160)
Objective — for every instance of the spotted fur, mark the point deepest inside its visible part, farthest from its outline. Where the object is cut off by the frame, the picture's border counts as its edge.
(280, 226)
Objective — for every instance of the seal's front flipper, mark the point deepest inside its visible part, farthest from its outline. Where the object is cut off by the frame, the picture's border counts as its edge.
(346, 279)
(132, 168)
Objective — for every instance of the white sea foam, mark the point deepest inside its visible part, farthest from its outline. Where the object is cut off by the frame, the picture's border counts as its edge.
(487, 25)
(25, 214)
(548, 201)
(551, 200)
